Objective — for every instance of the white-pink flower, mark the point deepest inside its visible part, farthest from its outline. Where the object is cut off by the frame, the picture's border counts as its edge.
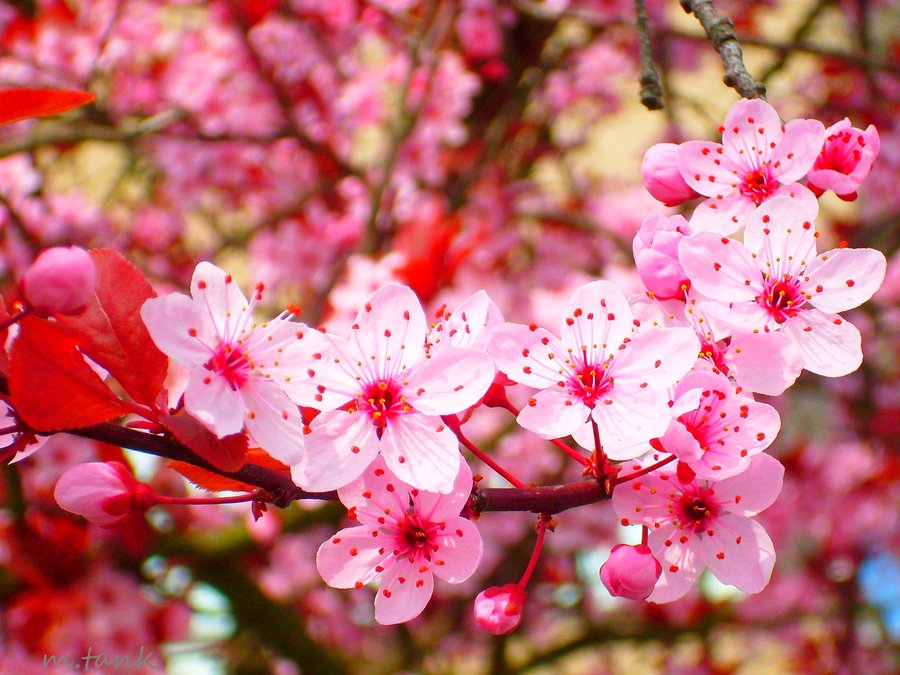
(596, 370)
(381, 393)
(406, 537)
(705, 524)
(758, 159)
(230, 356)
(718, 437)
(777, 281)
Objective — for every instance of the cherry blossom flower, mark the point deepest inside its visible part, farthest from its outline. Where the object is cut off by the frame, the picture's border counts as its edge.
(380, 393)
(229, 356)
(702, 523)
(846, 159)
(465, 326)
(758, 159)
(498, 609)
(406, 538)
(655, 249)
(718, 437)
(630, 571)
(776, 281)
(596, 370)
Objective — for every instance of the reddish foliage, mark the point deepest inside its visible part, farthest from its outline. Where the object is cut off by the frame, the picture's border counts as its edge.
(20, 104)
(111, 331)
(51, 386)
(216, 483)
(228, 453)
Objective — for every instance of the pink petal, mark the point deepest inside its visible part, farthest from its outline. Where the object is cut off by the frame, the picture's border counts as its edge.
(274, 421)
(722, 216)
(168, 319)
(645, 500)
(377, 492)
(750, 128)
(404, 592)
(795, 155)
(391, 327)
(338, 448)
(421, 451)
(435, 506)
(460, 551)
(349, 558)
(740, 316)
(831, 345)
(766, 363)
(214, 292)
(656, 358)
(598, 319)
(754, 490)
(553, 414)
(740, 553)
(634, 415)
(210, 398)
(450, 381)
(467, 322)
(680, 442)
(720, 268)
(521, 353)
(705, 167)
(318, 370)
(681, 564)
(782, 231)
(847, 278)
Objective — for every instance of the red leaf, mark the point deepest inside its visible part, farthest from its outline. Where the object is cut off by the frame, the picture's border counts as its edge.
(207, 480)
(228, 453)
(20, 104)
(51, 385)
(4, 359)
(111, 331)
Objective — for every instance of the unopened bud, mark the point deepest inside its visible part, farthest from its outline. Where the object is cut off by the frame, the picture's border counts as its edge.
(662, 178)
(498, 609)
(60, 281)
(102, 492)
(630, 572)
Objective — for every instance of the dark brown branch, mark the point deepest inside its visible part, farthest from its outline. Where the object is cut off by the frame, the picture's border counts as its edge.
(720, 30)
(651, 90)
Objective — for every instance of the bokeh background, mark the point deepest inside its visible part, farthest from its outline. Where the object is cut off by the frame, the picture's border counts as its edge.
(326, 147)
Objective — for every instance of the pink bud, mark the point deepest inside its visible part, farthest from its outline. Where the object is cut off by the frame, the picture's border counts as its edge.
(480, 34)
(498, 609)
(630, 572)
(60, 281)
(845, 160)
(102, 492)
(661, 175)
(656, 255)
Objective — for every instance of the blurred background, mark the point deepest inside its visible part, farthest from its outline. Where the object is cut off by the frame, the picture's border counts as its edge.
(326, 147)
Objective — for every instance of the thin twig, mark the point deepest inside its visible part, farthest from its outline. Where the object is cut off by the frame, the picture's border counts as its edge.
(651, 90)
(720, 30)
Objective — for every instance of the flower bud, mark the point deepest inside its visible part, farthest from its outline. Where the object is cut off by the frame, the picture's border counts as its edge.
(498, 609)
(845, 160)
(661, 176)
(630, 572)
(102, 492)
(655, 249)
(60, 281)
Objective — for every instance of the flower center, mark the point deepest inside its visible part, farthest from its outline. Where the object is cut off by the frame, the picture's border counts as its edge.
(383, 400)
(842, 156)
(231, 363)
(590, 382)
(759, 184)
(783, 298)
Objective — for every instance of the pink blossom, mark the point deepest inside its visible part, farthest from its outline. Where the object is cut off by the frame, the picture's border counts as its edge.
(465, 326)
(702, 523)
(102, 492)
(597, 370)
(846, 159)
(777, 281)
(498, 609)
(479, 33)
(656, 255)
(718, 437)
(229, 356)
(663, 180)
(759, 159)
(380, 393)
(630, 571)
(405, 538)
(61, 281)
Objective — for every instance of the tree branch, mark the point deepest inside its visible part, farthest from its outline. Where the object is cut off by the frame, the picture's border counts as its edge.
(720, 30)
(651, 90)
